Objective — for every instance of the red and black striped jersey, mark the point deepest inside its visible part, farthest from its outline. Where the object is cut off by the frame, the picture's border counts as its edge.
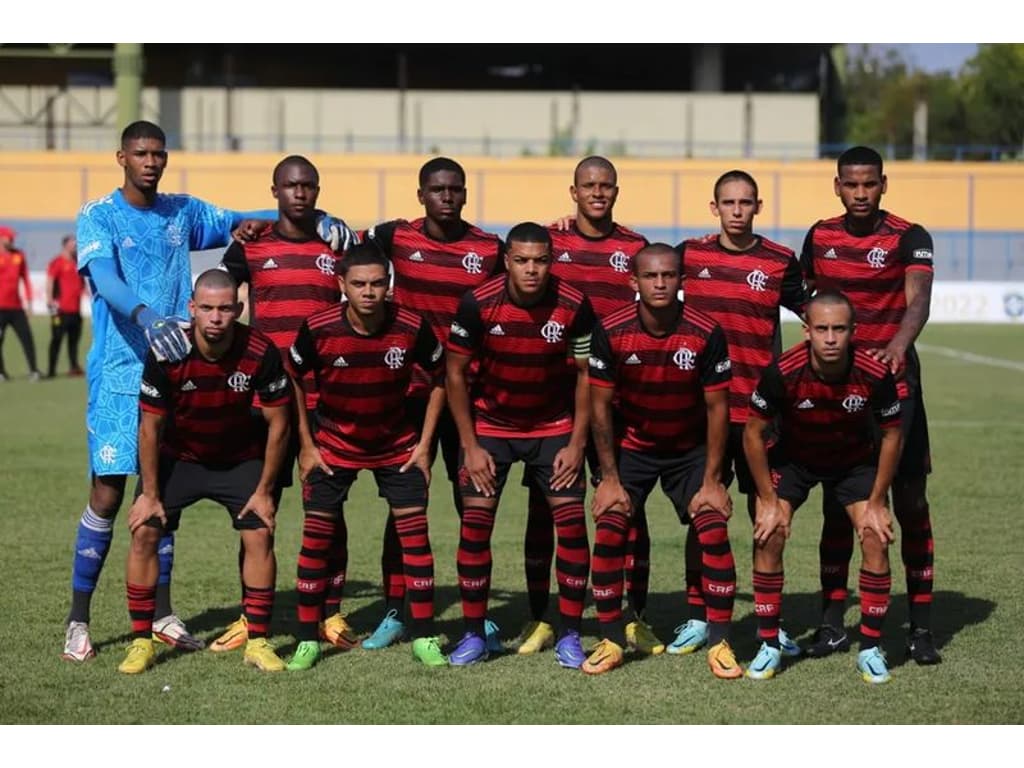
(870, 269)
(208, 403)
(827, 425)
(288, 281)
(524, 387)
(660, 380)
(361, 381)
(742, 291)
(598, 266)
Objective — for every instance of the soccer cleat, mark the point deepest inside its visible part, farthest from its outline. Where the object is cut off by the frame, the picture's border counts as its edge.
(787, 645)
(336, 631)
(827, 640)
(34, 376)
(77, 645)
(641, 638)
(492, 634)
(723, 662)
(872, 666)
(234, 637)
(921, 647)
(569, 650)
(471, 649)
(307, 654)
(606, 656)
(428, 651)
(536, 637)
(141, 656)
(388, 632)
(260, 653)
(170, 630)
(690, 637)
(767, 662)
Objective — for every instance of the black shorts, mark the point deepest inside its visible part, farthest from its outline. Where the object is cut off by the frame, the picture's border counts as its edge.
(681, 477)
(285, 477)
(183, 483)
(916, 459)
(327, 493)
(735, 464)
(793, 482)
(538, 453)
(446, 434)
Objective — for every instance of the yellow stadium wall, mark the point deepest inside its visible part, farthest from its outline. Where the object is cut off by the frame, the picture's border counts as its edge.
(653, 193)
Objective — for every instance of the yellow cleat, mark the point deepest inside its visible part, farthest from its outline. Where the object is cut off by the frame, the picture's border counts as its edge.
(234, 637)
(260, 653)
(606, 656)
(723, 662)
(141, 656)
(641, 638)
(535, 637)
(338, 633)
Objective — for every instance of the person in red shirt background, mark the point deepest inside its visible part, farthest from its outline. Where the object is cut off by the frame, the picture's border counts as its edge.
(64, 288)
(12, 312)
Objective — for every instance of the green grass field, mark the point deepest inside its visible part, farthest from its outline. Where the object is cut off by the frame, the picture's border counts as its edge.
(977, 430)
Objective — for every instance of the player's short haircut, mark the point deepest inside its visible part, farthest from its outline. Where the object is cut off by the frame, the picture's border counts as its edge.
(66, 239)
(440, 164)
(215, 279)
(295, 160)
(831, 299)
(142, 129)
(859, 155)
(598, 162)
(529, 232)
(361, 255)
(656, 249)
(735, 175)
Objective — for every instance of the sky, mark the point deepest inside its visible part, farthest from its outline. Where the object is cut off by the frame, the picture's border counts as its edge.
(934, 57)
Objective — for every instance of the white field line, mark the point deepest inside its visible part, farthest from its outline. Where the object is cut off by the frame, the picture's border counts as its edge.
(970, 357)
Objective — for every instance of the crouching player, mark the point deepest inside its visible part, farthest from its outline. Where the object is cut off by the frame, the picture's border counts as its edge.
(830, 399)
(198, 439)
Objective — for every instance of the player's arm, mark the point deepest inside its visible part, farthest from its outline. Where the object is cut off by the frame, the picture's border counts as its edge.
(154, 404)
(715, 375)
(807, 261)
(794, 296)
(609, 494)
(464, 339)
(568, 462)
(23, 276)
(916, 248)
(51, 296)
(383, 235)
(428, 353)
(885, 405)
(302, 357)
(769, 514)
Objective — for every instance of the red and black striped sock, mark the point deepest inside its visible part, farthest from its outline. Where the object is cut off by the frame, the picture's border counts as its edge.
(606, 573)
(418, 569)
(141, 605)
(917, 548)
(572, 560)
(834, 552)
(874, 604)
(473, 561)
(311, 581)
(638, 562)
(718, 572)
(337, 568)
(393, 578)
(768, 605)
(258, 605)
(693, 572)
(538, 552)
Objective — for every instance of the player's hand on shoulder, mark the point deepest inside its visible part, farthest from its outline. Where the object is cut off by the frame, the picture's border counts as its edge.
(564, 223)
(335, 232)
(249, 230)
(165, 335)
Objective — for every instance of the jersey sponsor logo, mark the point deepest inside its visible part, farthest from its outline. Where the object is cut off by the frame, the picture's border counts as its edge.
(239, 381)
(188, 386)
(295, 355)
(758, 400)
(127, 242)
(876, 257)
(416, 256)
(704, 274)
(340, 362)
(552, 331)
(175, 235)
(924, 254)
(757, 280)
(325, 263)
(472, 263)
(685, 358)
(458, 330)
(90, 248)
(830, 254)
(269, 264)
(892, 410)
(854, 403)
(565, 258)
(803, 405)
(633, 359)
(108, 454)
(497, 330)
(436, 354)
(148, 389)
(619, 261)
(394, 358)
(276, 386)
(723, 366)
(597, 362)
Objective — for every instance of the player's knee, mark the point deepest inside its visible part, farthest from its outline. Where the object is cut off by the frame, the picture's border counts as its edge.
(145, 540)
(258, 542)
(874, 552)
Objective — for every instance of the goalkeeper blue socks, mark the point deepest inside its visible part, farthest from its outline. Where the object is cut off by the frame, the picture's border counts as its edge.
(91, 547)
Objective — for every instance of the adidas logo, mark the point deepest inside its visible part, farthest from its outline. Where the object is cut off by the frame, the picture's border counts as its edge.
(805, 405)
(497, 330)
(90, 553)
(166, 549)
(633, 360)
(416, 256)
(565, 258)
(188, 386)
(127, 242)
(269, 264)
(340, 362)
(830, 254)
(704, 273)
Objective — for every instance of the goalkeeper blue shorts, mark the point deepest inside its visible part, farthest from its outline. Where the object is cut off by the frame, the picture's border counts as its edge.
(112, 422)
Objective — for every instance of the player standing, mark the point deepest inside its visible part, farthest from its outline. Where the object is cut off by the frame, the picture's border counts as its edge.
(14, 269)
(64, 289)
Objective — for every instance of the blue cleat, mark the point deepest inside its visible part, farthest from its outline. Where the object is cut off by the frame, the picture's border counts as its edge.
(471, 649)
(872, 666)
(787, 646)
(690, 637)
(767, 662)
(569, 650)
(388, 632)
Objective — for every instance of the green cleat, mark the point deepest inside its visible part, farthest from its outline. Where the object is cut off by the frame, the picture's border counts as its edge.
(428, 651)
(307, 654)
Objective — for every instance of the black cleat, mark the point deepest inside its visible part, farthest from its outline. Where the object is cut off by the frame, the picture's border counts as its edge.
(921, 647)
(827, 640)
